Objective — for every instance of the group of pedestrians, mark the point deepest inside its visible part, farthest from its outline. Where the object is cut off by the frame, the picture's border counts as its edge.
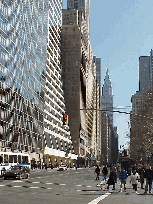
(138, 175)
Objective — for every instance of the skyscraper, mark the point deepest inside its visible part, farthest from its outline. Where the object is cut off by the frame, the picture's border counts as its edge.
(30, 80)
(107, 107)
(82, 5)
(79, 85)
(107, 98)
(144, 73)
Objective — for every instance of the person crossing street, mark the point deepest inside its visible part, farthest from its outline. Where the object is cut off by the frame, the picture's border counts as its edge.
(123, 176)
(149, 178)
(97, 170)
(105, 172)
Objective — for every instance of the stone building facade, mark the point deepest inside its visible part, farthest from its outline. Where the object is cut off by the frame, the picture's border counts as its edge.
(79, 85)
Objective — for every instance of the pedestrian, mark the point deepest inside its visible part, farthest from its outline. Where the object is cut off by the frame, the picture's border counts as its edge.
(149, 177)
(114, 169)
(97, 170)
(111, 180)
(134, 180)
(123, 176)
(141, 173)
(46, 166)
(105, 172)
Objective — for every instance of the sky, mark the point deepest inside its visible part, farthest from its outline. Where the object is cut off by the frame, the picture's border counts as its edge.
(120, 32)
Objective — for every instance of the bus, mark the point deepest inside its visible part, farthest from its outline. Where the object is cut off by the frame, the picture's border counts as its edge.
(8, 159)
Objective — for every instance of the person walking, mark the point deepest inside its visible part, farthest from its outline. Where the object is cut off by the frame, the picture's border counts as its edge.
(141, 173)
(123, 176)
(111, 180)
(97, 170)
(149, 177)
(134, 180)
(114, 169)
(105, 172)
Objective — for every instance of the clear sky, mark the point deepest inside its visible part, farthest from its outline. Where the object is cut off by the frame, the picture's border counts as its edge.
(120, 32)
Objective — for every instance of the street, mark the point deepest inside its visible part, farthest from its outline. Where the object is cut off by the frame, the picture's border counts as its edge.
(70, 186)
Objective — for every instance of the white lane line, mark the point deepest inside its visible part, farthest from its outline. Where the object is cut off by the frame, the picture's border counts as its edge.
(49, 188)
(17, 186)
(97, 200)
(88, 186)
(2, 185)
(36, 182)
(38, 177)
(48, 183)
(34, 187)
(78, 185)
(17, 181)
(62, 184)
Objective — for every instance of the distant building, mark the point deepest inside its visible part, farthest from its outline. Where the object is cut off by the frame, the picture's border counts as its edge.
(104, 138)
(144, 73)
(114, 145)
(140, 99)
(107, 107)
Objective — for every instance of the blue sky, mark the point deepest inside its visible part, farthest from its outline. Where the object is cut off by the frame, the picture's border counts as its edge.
(120, 32)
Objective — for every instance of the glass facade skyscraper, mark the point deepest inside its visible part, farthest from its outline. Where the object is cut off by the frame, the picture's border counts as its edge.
(31, 100)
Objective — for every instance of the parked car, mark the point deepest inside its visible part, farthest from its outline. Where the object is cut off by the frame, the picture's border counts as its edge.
(16, 172)
(62, 168)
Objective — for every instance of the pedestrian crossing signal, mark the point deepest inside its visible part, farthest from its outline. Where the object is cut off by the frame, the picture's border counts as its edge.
(65, 119)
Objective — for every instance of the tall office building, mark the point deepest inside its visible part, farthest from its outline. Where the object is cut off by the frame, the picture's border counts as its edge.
(82, 5)
(107, 107)
(80, 86)
(32, 102)
(144, 73)
(107, 98)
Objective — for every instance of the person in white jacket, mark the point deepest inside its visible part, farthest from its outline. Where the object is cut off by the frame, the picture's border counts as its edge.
(134, 180)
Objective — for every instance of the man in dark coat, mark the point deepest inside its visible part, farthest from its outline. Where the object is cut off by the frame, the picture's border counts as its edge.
(105, 172)
(97, 170)
(149, 177)
(111, 180)
(141, 173)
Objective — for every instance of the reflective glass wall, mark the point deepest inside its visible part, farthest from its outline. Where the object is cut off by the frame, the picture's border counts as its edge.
(22, 73)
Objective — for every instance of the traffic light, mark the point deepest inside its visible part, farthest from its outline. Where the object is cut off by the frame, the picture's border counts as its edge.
(65, 119)
(16, 134)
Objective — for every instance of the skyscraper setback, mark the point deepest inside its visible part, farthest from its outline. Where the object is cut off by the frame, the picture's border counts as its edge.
(81, 5)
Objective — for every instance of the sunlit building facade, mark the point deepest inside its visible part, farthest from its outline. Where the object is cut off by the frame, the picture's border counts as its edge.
(32, 102)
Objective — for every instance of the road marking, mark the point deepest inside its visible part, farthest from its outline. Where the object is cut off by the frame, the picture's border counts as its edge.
(62, 184)
(34, 187)
(17, 186)
(36, 182)
(2, 185)
(88, 186)
(38, 177)
(17, 181)
(97, 200)
(48, 183)
(78, 185)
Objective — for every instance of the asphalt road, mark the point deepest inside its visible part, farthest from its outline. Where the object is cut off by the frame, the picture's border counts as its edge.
(66, 187)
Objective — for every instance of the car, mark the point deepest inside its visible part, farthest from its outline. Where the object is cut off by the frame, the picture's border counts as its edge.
(16, 172)
(62, 168)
